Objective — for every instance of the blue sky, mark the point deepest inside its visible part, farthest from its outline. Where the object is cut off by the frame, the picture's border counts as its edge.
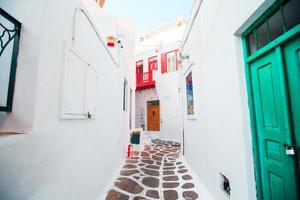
(149, 13)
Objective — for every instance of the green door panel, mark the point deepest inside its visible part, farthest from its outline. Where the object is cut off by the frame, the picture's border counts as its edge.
(292, 63)
(273, 127)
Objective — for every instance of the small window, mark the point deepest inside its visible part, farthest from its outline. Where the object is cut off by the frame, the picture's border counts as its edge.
(139, 67)
(283, 18)
(152, 63)
(189, 94)
(276, 25)
(130, 108)
(291, 12)
(153, 103)
(125, 95)
(171, 61)
(262, 35)
(252, 43)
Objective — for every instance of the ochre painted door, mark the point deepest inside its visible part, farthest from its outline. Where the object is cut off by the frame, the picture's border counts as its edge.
(153, 118)
(273, 130)
(292, 63)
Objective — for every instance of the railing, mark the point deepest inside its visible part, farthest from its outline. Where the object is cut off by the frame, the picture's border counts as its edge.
(144, 79)
(147, 77)
(10, 30)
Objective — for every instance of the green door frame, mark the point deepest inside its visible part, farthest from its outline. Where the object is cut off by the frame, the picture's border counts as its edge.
(247, 59)
(293, 32)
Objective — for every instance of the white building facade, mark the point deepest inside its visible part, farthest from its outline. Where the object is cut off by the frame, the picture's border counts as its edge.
(157, 91)
(72, 106)
(234, 152)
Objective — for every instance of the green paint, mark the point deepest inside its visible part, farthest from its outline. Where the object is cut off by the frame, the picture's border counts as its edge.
(292, 63)
(279, 41)
(272, 125)
(273, 85)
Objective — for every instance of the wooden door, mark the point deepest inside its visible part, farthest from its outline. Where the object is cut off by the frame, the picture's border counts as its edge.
(277, 168)
(153, 118)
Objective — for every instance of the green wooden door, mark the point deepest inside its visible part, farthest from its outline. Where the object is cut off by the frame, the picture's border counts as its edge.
(273, 130)
(292, 63)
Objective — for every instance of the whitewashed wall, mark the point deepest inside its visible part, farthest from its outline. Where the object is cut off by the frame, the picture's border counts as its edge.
(127, 60)
(218, 140)
(62, 159)
(24, 95)
(167, 87)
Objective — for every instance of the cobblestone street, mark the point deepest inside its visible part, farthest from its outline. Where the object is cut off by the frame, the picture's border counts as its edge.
(155, 172)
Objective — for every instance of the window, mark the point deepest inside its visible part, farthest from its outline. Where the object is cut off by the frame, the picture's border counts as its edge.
(9, 40)
(139, 67)
(189, 94)
(130, 108)
(125, 94)
(139, 71)
(152, 62)
(171, 61)
(282, 19)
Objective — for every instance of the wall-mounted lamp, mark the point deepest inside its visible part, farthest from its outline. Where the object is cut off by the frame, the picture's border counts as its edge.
(184, 56)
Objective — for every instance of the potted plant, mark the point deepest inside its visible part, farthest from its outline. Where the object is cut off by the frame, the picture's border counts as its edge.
(143, 126)
(135, 137)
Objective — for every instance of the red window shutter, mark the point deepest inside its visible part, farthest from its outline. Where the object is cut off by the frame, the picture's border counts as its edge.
(163, 63)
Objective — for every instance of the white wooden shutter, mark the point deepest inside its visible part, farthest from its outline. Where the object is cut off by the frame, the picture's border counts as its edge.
(80, 82)
(91, 89)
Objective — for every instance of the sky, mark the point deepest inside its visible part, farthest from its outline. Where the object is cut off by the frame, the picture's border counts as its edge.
(148, 14)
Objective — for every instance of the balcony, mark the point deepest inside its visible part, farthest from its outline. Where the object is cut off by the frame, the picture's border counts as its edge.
(144, 81)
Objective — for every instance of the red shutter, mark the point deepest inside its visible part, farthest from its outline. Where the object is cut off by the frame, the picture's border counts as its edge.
(163, 63)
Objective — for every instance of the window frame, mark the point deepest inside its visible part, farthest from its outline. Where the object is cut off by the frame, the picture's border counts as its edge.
(186, 74)
(138, 64)
(8, 107)
(125, 95)
(151, 60)
(175, 52)
(264, 18)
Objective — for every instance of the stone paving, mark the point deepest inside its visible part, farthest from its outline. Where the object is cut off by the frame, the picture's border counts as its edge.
(155, 172)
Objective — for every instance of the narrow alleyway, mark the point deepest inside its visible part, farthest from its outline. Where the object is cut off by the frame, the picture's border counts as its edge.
(156, 171)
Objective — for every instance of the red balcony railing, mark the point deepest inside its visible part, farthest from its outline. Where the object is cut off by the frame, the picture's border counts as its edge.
(144, 80)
